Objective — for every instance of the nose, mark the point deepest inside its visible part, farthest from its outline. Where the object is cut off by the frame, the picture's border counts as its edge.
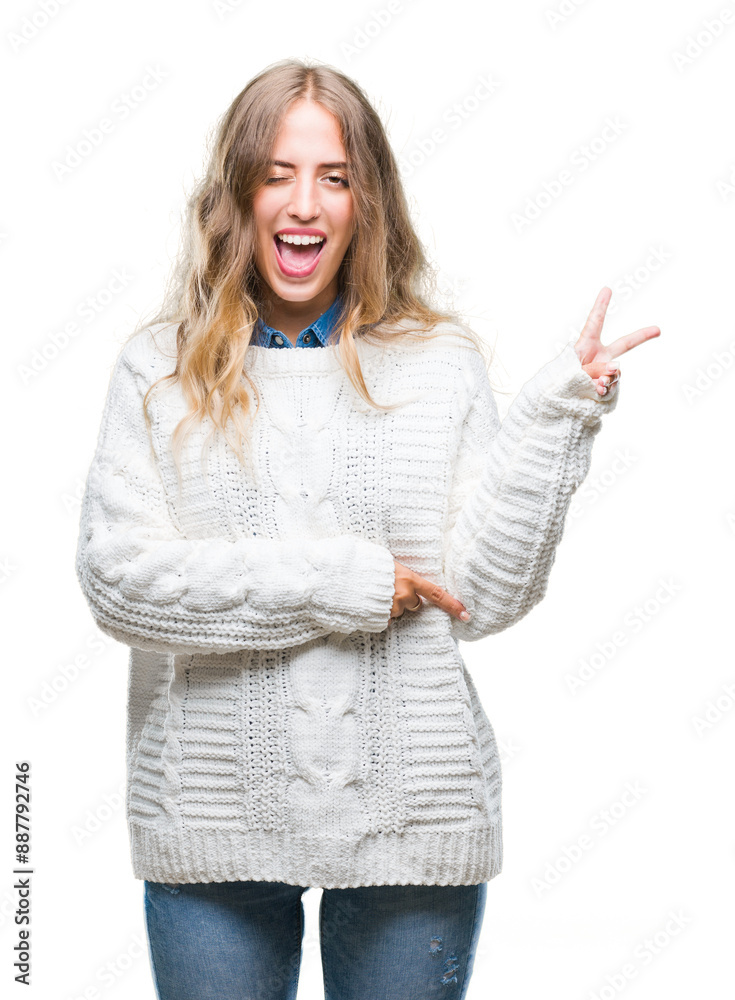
(304, 204)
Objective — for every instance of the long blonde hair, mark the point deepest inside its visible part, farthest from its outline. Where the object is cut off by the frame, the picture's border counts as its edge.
(216, 293)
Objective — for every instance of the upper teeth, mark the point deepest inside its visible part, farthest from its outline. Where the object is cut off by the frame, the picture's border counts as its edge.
(300, 239)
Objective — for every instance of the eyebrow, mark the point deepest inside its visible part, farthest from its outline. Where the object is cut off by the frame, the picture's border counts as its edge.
(327, 166)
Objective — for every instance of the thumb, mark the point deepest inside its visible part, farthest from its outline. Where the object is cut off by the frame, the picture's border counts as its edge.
(597, 368)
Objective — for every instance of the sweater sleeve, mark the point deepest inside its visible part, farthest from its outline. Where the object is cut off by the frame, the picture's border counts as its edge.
(512, 487)
(149, 586)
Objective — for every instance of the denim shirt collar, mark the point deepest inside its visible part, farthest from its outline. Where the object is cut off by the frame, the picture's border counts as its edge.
(322, 328)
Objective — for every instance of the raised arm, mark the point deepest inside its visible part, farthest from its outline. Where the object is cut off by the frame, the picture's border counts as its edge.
(512, 487)
(150, 587)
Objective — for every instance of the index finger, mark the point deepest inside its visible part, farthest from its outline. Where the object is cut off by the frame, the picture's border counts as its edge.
(437, 595)
(631, 340)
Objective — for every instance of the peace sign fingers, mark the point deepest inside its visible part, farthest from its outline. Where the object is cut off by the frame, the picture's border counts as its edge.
(631, 340)
(588, 346)
(590, 350)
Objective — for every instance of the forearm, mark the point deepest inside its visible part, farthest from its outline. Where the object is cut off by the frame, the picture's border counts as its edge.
(502, 545)
(150, 586)
(216, 596)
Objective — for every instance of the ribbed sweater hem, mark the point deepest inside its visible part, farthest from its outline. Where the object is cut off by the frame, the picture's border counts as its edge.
(450, 857)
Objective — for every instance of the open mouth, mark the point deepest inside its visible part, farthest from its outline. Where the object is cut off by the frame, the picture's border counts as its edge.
(298, 258)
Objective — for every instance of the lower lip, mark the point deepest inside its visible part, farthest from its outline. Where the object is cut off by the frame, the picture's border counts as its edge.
(297, 272)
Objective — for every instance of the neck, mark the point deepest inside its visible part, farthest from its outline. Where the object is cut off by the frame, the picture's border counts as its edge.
(292, 317)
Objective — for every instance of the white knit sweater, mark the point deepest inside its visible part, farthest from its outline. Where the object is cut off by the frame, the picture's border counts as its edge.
(281, 727)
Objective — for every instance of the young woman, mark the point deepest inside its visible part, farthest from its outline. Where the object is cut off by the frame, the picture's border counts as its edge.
(256, 521)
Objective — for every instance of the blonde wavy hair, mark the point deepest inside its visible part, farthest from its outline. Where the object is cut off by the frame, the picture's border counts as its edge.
(215, 292)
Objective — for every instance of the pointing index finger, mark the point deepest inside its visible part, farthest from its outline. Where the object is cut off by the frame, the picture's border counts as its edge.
(437, 595)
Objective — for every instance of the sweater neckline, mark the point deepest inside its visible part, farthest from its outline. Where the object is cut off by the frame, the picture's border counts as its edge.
(301, 360)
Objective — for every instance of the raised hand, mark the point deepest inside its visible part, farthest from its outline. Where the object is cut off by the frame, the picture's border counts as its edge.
(597, 358)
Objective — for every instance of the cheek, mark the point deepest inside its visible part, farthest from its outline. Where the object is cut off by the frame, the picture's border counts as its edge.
(261, 215)
(347, 221)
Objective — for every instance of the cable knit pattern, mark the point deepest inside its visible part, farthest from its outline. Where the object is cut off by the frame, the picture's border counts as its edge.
(281, 727)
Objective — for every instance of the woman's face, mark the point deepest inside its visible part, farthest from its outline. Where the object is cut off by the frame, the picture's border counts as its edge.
(306, 192)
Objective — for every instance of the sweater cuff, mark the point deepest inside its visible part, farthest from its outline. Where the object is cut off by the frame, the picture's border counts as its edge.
(359, 591)
(563, 386)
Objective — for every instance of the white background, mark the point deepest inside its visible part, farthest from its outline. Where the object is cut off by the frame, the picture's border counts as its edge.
(641, 585)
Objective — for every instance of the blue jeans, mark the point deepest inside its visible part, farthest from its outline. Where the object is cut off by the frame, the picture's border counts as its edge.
(242, 940)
